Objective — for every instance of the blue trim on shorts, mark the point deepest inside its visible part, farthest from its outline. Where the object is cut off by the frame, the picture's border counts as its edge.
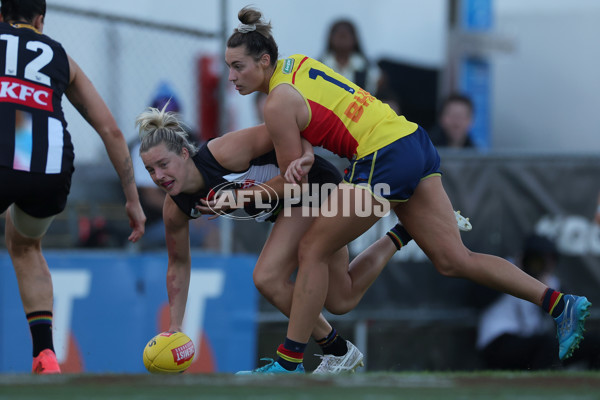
(399, 167)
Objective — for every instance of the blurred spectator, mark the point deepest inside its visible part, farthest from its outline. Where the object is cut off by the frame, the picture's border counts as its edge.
(454, 123)
(345, 55)
(515, 334)
(203, 233)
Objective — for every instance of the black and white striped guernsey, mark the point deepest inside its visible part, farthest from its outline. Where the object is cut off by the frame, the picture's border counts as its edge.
(34, 74)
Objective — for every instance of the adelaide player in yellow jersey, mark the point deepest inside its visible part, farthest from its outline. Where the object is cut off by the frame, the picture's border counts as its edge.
(307, 99)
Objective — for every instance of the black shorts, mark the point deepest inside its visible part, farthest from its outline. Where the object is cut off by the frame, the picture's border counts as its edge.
(38, 195)
(323, 172)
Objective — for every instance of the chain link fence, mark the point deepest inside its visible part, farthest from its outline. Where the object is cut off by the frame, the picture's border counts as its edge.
(127, 60)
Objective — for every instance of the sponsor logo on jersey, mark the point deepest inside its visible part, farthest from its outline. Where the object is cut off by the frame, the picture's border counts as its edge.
(288, 65)
(247, 183)
(13, 90)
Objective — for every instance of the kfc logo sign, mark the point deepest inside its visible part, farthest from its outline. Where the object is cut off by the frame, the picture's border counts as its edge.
(16, 91)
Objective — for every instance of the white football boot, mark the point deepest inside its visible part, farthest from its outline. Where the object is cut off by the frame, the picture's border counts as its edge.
(463, 223)
(349, 362)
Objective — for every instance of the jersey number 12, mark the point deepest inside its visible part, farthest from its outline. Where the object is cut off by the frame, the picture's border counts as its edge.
(33, 67)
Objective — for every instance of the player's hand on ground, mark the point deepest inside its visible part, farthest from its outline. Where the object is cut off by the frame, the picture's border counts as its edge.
(299, 168)
(137, 221)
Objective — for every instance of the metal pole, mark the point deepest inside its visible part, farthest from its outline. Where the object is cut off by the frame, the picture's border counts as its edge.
(223, 76)
(130, 20)
(113, 51)
(361, 338)
(226, 224)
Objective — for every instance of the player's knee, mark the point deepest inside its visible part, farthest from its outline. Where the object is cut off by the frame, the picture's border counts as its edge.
(267, 283)
(452, 264)
(20, 246)
(309, 251)
(261, 280)
(446, 268)
(304, 247)
(339, 307)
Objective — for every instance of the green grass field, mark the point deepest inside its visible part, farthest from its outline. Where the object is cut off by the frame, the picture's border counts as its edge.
(375, 386)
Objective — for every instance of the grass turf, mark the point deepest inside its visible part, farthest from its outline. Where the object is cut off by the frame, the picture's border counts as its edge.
(380, 386)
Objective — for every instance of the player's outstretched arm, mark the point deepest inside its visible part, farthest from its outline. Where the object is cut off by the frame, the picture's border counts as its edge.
(177, 234)
(84, 97)
(235, 150)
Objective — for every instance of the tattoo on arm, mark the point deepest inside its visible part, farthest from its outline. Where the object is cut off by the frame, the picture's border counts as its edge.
(128, 175)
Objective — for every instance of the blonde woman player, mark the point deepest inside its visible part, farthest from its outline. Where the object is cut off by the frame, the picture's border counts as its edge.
(306, 99)
(189, 174)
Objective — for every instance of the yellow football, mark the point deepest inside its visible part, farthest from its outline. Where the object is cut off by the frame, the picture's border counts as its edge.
(169, 353)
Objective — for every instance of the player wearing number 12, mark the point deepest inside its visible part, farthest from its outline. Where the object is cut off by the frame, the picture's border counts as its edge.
(308, 100)
(36, 156)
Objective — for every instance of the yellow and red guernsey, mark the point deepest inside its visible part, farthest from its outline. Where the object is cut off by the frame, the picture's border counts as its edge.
(344, 118)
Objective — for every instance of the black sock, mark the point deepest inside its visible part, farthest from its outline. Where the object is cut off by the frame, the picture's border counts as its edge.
(399, 236)
(333, 344)
(40, 325)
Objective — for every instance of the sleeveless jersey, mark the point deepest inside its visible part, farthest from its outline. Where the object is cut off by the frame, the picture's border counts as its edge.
(344, 118)
(34, 74)
(261, 170)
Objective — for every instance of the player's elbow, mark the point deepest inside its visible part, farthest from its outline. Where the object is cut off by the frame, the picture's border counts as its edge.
(110, 133)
